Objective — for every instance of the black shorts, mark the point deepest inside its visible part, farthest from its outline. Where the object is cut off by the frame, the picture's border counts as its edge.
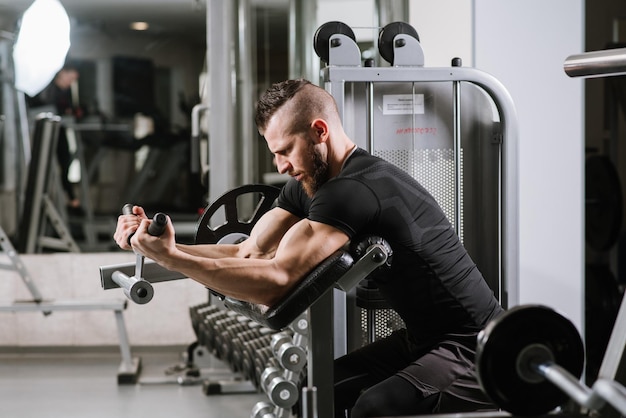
(442, 376)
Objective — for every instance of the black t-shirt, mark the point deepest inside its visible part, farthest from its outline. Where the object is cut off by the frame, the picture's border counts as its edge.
(433, 284)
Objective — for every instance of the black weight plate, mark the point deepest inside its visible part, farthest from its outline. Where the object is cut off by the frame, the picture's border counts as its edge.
(323, 34)
(388, 33)
(205, 234)
(603, 203)
(500, 344)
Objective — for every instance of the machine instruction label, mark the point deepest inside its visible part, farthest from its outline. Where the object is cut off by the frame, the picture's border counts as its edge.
(403, 104)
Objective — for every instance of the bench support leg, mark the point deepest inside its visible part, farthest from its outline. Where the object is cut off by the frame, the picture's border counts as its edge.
(130, 367)
(321, 353)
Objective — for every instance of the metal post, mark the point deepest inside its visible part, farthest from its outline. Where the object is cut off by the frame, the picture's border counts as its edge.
(246, 79)
(388, 11)
(320, 354)
(127, 360)
(220, 65)
(302, 26)
(46, 142)
(458, 174)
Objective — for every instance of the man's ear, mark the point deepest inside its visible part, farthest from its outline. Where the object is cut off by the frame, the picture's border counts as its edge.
(321, 130)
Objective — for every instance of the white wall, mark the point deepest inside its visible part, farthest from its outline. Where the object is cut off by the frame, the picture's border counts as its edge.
(358, 14)
(445, 30)
(524, 43)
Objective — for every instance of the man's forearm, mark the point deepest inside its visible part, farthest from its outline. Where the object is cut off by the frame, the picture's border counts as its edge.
(254, 280)
(210, 250)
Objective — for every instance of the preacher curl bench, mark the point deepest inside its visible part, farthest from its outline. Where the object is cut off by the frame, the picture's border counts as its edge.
(529, 360)
(343, 270)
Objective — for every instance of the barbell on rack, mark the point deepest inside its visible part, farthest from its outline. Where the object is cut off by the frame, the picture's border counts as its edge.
(529, 362)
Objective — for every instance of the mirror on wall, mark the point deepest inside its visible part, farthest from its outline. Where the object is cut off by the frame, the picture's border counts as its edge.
(125, 76)
(135, 91)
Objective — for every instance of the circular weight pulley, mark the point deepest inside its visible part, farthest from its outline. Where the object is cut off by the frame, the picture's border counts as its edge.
(234, 227)
(603, 203)
(322, 36)
(511, 346)
(387, 35)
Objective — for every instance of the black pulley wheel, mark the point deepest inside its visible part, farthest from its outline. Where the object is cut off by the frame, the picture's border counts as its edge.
(387, 35)
(322, 36)
(603, 203)
(504, 366)
(235, 222)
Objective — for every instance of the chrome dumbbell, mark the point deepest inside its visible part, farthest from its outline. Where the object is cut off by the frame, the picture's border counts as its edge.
(263, 410)
(291, 356)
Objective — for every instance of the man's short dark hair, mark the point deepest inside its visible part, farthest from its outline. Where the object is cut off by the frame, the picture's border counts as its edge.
(306, 100)
(275, 97)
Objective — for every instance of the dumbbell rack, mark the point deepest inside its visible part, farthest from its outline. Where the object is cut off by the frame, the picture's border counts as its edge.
(260, 359)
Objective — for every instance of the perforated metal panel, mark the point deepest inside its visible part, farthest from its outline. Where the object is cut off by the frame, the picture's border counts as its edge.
(384, 322)
(433, 169)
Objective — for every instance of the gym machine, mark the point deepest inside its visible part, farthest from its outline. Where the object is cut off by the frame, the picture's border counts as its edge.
(41, 225)
(529, 360)
(130, 366)
(270, 346)
(454, 129)
(424, 137)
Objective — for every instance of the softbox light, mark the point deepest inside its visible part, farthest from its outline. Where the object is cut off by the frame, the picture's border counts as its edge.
(41, 45)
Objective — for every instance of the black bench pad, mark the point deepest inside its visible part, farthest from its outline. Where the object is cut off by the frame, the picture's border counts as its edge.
(304, 294)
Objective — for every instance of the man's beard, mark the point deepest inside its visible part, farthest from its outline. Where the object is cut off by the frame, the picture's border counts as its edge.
(312, 183)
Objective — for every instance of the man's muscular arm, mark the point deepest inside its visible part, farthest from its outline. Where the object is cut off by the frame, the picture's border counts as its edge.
(262, 269)
(262, 243)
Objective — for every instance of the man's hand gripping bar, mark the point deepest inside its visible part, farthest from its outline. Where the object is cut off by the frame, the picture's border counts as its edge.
(135, 287)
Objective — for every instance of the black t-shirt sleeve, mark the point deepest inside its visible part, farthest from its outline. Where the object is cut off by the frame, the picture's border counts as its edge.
(346, 204)
(293, 199)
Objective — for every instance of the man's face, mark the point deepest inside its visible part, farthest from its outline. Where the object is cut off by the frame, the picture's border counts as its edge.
(65, 78)
(296, 155)
(319, 171)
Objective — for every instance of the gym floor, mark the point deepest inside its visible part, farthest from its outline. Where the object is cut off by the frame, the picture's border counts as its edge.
(84, 384)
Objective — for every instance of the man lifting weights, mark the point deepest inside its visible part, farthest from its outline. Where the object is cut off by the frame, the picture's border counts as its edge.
(337, 192)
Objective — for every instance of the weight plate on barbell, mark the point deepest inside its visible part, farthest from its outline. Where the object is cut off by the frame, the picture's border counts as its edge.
(235, 224)
(505, 339)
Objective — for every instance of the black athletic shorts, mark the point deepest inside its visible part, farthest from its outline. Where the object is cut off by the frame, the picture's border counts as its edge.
(443, 376)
